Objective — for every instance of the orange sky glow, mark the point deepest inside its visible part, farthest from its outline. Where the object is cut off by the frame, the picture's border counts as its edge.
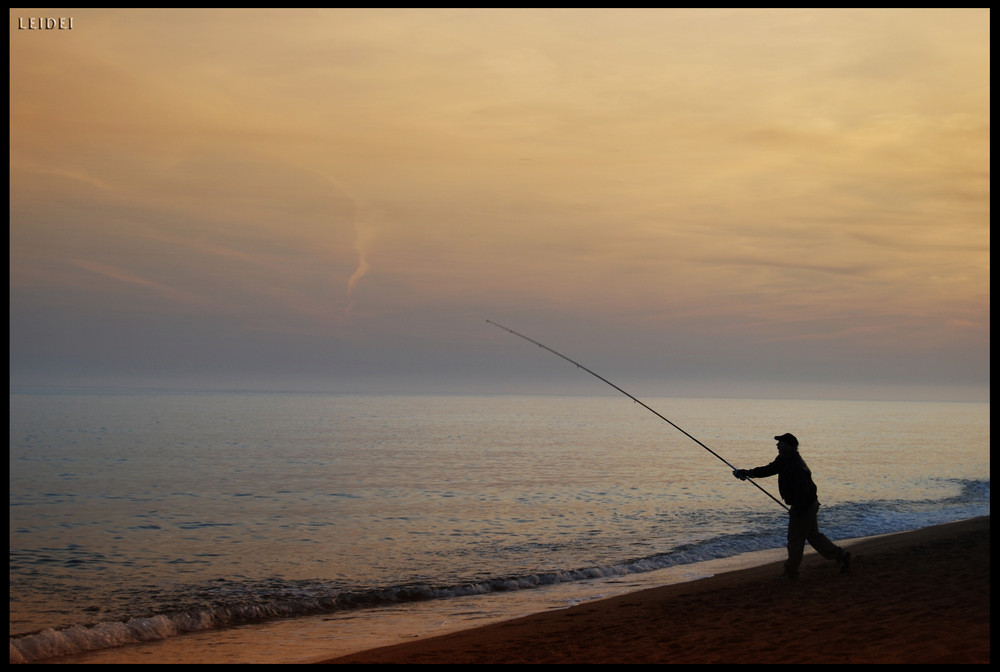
(708, 202)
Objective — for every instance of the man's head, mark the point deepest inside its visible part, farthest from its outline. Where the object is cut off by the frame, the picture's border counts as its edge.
(787, 442)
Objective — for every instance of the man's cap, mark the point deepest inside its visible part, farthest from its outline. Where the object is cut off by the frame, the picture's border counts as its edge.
(789, 439)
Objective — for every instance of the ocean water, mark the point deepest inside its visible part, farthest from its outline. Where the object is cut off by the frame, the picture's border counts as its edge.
(253, 527)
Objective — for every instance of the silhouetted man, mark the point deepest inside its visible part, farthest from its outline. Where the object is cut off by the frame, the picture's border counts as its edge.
(796, 487)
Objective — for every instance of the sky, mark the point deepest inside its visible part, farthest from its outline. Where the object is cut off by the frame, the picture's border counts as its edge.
(713, 203)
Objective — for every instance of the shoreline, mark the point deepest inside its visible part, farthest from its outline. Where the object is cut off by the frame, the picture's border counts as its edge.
(912, 597)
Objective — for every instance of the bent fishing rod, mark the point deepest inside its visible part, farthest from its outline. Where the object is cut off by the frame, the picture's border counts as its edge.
(651, 410)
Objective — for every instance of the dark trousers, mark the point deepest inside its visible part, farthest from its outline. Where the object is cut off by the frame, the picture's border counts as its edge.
(802, 527)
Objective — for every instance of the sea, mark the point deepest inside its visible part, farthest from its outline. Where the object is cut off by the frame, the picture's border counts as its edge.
(229, 527)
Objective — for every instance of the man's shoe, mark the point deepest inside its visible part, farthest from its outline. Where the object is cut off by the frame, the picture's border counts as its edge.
(845, 562)
(789, 577)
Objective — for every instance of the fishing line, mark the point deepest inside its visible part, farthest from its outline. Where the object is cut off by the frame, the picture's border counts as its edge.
(651, 410)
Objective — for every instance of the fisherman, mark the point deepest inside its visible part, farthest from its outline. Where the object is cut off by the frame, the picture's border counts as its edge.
(796, 487)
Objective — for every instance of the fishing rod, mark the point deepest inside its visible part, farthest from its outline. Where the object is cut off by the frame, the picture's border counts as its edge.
(651, 410)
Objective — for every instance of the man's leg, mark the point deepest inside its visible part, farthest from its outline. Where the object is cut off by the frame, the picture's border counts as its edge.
(819, 541)
(824, 546)
(798, 530)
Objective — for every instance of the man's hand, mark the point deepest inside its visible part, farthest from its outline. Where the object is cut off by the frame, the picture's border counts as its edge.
(742, 474)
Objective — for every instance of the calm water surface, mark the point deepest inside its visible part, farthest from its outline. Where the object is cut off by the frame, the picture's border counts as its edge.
(139, 516)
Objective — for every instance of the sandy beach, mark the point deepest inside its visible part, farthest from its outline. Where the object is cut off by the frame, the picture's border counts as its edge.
(914, 597)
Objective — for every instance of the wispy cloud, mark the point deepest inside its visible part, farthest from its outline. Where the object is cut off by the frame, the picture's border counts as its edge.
(764, 174)
(172, 294)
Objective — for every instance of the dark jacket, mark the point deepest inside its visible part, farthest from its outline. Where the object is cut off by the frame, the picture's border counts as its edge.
(794, 478)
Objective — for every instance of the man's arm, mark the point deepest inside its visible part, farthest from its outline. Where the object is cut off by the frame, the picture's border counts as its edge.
(766, 470)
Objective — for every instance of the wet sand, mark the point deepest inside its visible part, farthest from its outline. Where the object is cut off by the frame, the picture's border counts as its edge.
(914, 597)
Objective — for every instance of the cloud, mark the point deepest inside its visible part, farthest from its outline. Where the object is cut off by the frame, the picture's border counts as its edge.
(171, 294)
(759, 176)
